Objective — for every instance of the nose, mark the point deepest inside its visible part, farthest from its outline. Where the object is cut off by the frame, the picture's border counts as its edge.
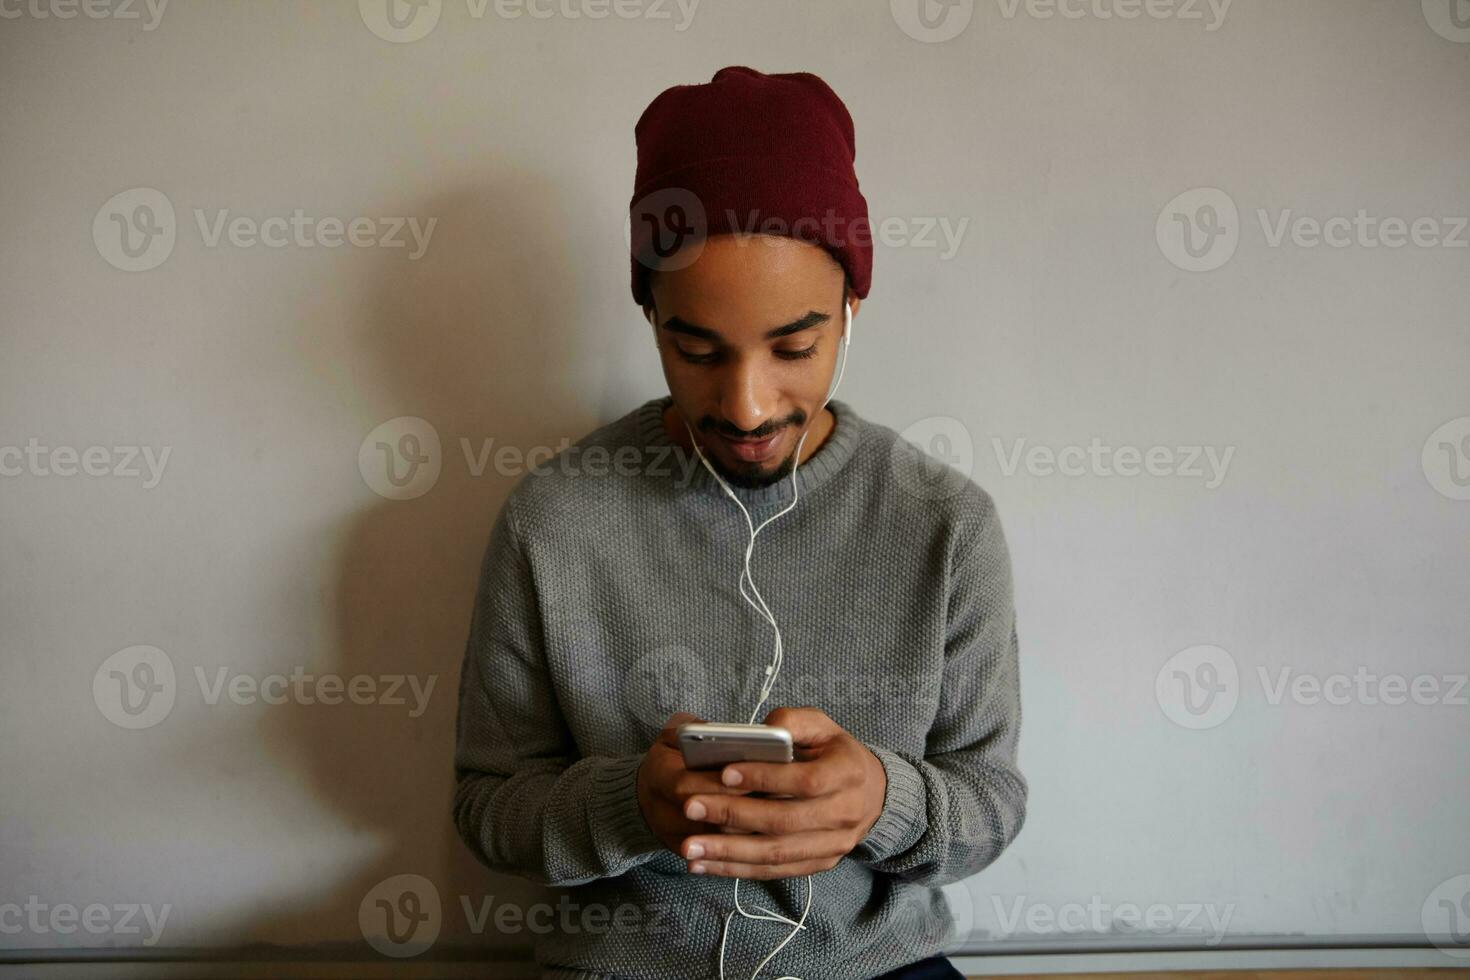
(747, 398)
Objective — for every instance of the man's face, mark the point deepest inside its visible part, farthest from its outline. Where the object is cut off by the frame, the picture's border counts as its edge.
(749, 334)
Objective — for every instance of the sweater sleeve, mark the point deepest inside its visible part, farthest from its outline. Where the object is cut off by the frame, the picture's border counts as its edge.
(524, 802)
(950, 813)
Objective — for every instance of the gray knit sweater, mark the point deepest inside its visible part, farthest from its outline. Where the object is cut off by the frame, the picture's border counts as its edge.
(609, 598)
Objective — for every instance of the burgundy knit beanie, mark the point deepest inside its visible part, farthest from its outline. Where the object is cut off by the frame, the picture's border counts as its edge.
(747, 152)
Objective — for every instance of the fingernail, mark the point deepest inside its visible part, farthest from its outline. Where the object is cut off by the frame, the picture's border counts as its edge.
(695, 851)
(695, 810)
(697, 869)
(732, 777)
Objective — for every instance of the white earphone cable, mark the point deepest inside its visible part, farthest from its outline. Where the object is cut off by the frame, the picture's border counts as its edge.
(774, 670)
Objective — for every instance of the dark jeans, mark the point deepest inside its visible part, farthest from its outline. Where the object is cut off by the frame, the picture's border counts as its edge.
(934, 968)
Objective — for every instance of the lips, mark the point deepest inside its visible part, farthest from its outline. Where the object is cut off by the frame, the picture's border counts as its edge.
(749, 451)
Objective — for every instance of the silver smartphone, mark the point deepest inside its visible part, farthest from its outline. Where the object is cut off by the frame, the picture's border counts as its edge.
(710, 746)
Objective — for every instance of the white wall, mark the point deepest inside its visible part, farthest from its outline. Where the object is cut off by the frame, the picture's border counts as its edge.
(1326, 546)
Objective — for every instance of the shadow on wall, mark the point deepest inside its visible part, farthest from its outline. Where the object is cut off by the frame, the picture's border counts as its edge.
(465, 339)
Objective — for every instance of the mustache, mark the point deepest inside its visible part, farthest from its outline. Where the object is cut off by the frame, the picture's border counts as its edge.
(764, 432)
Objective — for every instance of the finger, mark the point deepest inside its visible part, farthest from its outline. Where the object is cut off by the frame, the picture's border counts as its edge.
(691, 781)
(764, 816)
(674, 784)
(805, 780)
(764, 848)
(808, 726)
(682, 826)
(762, 872)
(669, 735)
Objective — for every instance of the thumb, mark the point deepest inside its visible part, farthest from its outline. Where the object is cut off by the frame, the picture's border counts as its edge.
(808, 726)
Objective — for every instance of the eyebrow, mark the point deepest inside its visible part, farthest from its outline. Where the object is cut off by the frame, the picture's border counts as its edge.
(812, 319)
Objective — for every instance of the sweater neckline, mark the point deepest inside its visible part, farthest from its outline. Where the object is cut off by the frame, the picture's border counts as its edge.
(818, 469)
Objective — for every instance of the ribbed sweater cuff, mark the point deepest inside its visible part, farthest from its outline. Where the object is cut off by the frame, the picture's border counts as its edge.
(619, 830)
(905, 814)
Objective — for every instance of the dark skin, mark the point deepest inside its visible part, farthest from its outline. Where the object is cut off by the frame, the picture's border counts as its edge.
(728, 376)
(742, 383)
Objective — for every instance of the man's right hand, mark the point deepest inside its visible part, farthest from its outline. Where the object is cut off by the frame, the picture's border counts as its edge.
(664, 784)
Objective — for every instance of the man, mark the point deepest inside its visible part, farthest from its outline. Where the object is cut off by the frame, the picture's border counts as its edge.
(889, 582)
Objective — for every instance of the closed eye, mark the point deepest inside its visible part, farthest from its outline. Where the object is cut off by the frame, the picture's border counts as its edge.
(785, 355)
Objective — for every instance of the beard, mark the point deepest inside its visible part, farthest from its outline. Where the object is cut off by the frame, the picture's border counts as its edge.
(752, 479)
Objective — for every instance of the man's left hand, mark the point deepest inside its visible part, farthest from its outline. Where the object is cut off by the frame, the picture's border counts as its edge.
(837, 788)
